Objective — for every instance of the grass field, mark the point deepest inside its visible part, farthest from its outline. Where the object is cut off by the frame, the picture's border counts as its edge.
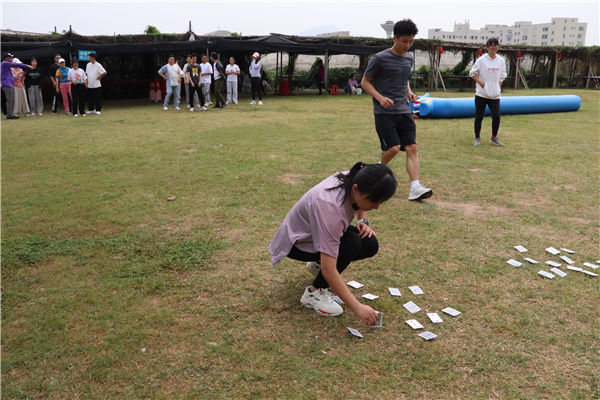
(110, 291)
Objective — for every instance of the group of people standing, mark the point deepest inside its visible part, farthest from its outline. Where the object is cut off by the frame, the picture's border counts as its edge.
(22, 86)
(197, 79)
(318, 229)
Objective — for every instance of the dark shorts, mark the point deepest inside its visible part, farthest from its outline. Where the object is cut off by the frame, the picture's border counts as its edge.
(395, 129)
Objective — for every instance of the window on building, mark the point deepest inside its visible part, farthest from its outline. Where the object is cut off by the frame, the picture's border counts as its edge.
(579, 43)
(544, 36)
(564, 28)
(581, 28)
(524, 38)
(544, 43)
(545, 29)
(579, 36)
(563, 36)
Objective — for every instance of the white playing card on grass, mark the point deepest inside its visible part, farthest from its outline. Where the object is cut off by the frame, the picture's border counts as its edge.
(590, 273)
(395, 291)
(355, 332)
(568, 251)
(379, 320)
(413, 323)
(428, 335)
(546, 274)
(435, 318)
(552, 251)
(338, 300)
(587, 264)
(451, 311)
(412, 307)
(530, 260)
(514, 263)
(521, 249)
(574, 268)
(355, 284)
(370, 296)
(567, 260)
(415, 289)
(553, 264)
(559, 272)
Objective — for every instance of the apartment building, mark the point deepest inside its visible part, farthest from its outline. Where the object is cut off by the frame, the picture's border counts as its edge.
(558, 32)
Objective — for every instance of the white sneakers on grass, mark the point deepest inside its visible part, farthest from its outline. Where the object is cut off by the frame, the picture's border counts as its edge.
(260, 103)
(253, 102)
(321, 300)
(419, 192)
(313, 267)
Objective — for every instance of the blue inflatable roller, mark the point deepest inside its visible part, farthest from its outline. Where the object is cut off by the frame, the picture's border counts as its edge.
(433, 107)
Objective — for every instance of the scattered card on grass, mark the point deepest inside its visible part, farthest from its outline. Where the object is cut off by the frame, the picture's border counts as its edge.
(379, 320)
(355, 284)
(416, 290)
(395, 291)
(589, 273)
(546, 274)
(574, 268)
(434, 317)
(553, 264)
(413, 323)
(451, 311)
(559, 272)
(428, 335)
(530, 260)
(568, 251)
(412, 307)
(567, 260)
(587, 264)
(514, 263)
(521, 249)
(338, 300)
(355, 332)
(370, 296)
(552, 251)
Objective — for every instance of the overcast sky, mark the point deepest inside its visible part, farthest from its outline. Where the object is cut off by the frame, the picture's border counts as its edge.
(285, 17)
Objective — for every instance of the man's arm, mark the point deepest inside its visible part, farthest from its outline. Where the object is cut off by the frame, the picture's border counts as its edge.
(368, 87)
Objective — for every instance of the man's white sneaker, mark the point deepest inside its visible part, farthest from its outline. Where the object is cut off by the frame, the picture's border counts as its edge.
(40, 114)
(177, 108)
(92, 112)
(420, 192)
(97, 112)
(321, 300)
(260, 103)
(313, 267)
(253, 102)
(204, 109)
(166, 108)
(191, 109)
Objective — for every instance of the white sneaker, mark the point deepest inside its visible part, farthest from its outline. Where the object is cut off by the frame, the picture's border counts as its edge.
(75, 115)
(40, 114)
(420, 192)
(313, 267)
(166, 108)
(29, 115)
(477, 142)
(92, 112)
(235, 102)
(84, 115)
(260, 103)
(209, 103)
(253, 102)
(191, 109)
(97, 112)
(177, 108)
(188, 106)
(321, 300)
(204, 108)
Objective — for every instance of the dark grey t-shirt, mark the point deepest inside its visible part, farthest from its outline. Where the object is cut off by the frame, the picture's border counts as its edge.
(390, 74)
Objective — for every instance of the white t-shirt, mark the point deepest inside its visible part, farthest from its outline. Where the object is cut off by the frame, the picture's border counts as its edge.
(93, 71)
(77, 75)
(232, 68)
(205, 68)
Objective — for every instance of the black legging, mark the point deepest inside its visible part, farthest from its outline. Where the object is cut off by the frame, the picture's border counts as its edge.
(352, 248)
(255, 84)
(494, 105)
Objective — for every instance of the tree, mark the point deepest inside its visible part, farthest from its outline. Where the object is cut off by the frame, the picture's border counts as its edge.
(151, 30)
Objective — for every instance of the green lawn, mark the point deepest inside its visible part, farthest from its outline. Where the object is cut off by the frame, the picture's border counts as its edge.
(110, 291)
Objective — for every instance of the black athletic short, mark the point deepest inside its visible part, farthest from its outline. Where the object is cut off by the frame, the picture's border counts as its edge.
(395, 129)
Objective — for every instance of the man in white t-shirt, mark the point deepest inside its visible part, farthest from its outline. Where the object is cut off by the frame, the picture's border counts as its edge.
(172, 74)
(206, 72)
(95, 72)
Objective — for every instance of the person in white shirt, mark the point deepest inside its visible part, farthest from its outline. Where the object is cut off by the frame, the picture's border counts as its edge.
(79, 81)
(206, 72)
(255, 78)
(232, 71)
(172, 74)
(95, 72)
(488, 71)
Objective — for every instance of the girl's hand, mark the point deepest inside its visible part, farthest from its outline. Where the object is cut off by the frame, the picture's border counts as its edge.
(364, 230)
(366, 314)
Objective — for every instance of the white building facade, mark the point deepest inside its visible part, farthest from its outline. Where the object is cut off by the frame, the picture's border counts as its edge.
(558, 32)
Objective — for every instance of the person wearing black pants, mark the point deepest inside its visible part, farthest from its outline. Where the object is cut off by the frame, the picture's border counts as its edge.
(255, 78)
(78, 79)
(317, 229)
(193, 79)
(56, 97)
(488, 71)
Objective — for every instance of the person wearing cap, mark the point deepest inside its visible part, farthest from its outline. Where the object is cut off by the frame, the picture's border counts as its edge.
(172, 74)
(95, 72)
(8, 82)
(52, 74)
(78, 79)
(64, 85)
(255, 78)
(21, 106)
